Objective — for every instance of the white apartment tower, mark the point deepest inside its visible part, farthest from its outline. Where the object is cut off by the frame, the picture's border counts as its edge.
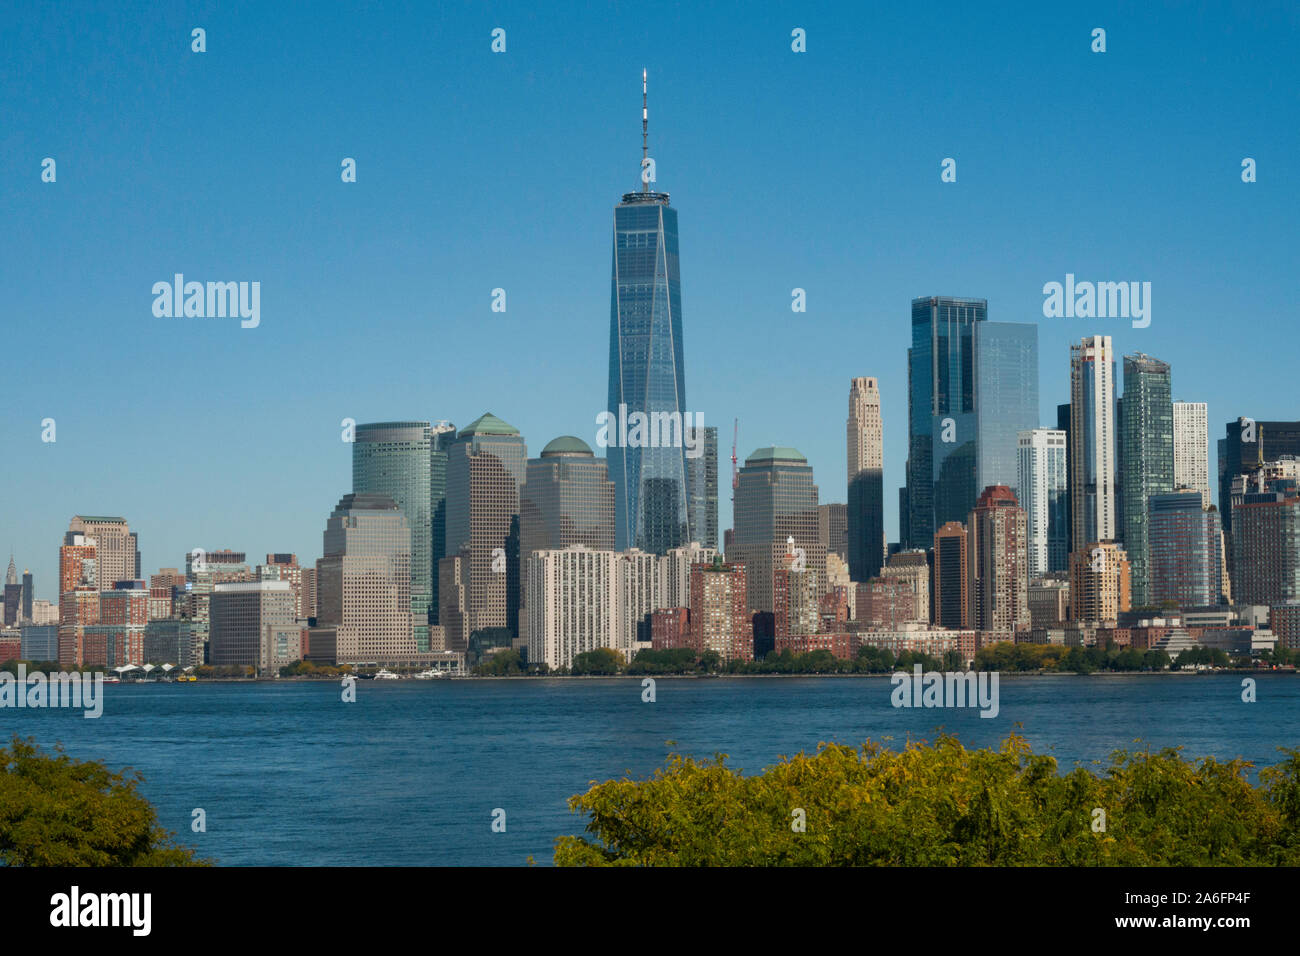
(1192, 449)
(1040, 469)
(1092, 441)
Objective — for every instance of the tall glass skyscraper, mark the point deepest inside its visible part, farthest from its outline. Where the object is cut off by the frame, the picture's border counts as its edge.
(1146, 460)
(393, 459)
(942, 428)
(646, 370)
(1006, 399)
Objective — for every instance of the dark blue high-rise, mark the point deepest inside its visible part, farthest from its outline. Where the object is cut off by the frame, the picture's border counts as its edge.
(646, 369)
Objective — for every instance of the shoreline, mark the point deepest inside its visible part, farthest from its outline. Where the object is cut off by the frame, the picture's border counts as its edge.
(639, 677)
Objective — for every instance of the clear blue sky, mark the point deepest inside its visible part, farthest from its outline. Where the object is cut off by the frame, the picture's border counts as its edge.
(478, 170)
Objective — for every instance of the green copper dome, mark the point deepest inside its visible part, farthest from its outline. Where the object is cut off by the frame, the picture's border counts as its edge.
(567, 445)
(775, 453)
(489, 424)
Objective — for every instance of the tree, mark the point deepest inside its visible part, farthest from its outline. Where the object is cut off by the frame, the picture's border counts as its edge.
(56, 811)
(943, 805)
(602, 661)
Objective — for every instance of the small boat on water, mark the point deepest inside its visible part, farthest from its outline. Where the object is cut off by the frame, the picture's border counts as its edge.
(432, 674)
(383, 674)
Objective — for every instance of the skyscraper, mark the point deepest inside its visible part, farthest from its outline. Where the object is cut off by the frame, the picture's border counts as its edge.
(866, 486)
(567, 498)
(1186, 556)
(13, 595)
(720, 617)
(1247, 445)
(942, 429)
(702, 485)
(441, 435)
(1099, 582)
(951, 580)
(646, 366)
(1092, 442)
(486, 468)
(1266, 545)
(364, 584)
(116, 547)
(1192, 449)
(1044, 497)
(776, 500)
(1006, 399)
(833, 528)
(393, 459)
(573, 604)
(1146, 460)
(28, 597)
(997, 562)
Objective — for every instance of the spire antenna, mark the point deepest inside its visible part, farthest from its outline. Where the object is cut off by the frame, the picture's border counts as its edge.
(645, 132)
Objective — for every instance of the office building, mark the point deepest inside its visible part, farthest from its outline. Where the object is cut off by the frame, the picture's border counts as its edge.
(394, 459)
(833, 529)
(776, 501)
(1248, 444)
(567, 498)
(647, 370)
(1006, 399)
(486, 469)
(941, 415)
(865, 512)
(116, 547)
(251, 624)
(364, 582)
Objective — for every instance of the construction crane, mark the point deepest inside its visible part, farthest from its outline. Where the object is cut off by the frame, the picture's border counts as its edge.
(735, 472)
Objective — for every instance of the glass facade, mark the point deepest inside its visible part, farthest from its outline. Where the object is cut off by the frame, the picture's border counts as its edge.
(441, 437)
(702, 482)
(646, 373)
(395, 459)
(1146, 460)
(1006, 398)
(1186, 563)
(942, 427)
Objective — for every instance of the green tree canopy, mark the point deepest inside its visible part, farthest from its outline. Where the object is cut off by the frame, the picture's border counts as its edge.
(56, 811)
(943, 805)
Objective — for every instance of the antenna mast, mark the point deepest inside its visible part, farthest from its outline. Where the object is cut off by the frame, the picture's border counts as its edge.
(645, 132)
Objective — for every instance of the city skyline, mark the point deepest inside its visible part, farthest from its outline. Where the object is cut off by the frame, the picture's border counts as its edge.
(182, 489)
